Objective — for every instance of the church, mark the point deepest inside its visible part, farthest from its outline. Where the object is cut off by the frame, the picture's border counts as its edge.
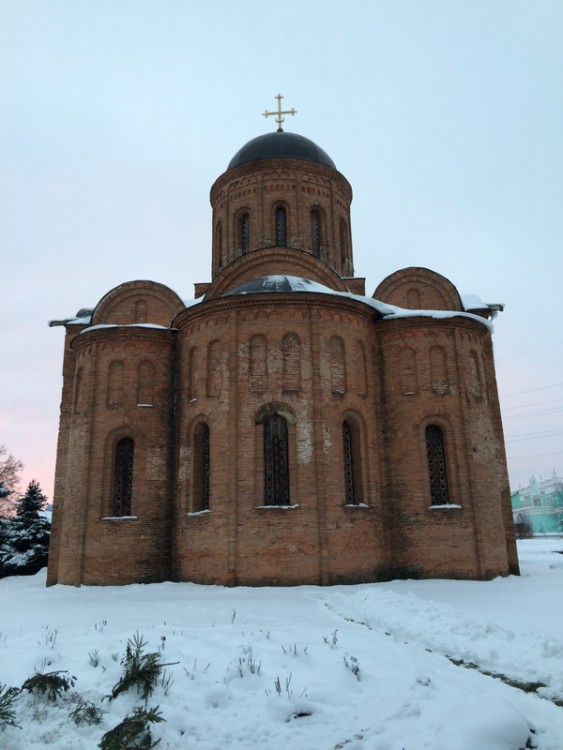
(282, 427)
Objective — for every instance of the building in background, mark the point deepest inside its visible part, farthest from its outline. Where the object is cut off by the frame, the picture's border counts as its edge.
(282, 427)
(538, 508)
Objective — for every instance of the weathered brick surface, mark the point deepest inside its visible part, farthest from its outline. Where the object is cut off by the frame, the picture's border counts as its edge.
(161, 370)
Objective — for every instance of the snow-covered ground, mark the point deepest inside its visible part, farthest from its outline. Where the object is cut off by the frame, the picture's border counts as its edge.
(367, 667)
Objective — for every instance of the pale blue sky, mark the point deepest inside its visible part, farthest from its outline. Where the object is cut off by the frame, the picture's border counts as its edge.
(117, 116)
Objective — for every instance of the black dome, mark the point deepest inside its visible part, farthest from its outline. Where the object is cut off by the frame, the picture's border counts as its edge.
(278, 145)
(278, 283)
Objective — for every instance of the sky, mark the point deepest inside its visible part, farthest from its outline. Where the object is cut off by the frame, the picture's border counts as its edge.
(117, 116)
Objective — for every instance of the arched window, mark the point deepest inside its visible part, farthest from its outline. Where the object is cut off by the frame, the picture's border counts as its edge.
(123, 477)
(281, 227)
(276, 460)
(437, 472)
(349, 486)
(352, 464)
(316, 233)
(219, 243)
(244, 232)
(343, 232)
(201, 468)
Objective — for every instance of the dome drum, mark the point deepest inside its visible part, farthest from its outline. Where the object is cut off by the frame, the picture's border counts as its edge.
(282, 202)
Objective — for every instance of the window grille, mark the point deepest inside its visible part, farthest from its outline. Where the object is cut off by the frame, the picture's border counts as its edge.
(349, 489)
(123, 477)
(201, 467)
(281, 226)
(316, 233)
(245, 232)
(276, 460)
(219, 244)
(343, 232)
(436, 456)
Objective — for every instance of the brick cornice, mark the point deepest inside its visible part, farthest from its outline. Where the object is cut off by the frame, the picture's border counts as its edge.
(124, 334)
(277, 165)
(276, 300)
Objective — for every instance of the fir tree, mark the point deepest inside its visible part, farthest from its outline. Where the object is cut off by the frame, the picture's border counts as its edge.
(32, 502)
(24, 538)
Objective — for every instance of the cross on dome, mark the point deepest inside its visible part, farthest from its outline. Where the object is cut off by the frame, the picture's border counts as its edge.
(280, 112)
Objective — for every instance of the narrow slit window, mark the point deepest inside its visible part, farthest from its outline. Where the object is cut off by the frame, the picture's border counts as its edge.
(281, 227)
(437, 470)
(316, 233)
(244, 229)
(348, 449)
(123, 481)
(343, 232)
(219, 244)
(276, 460)
(201, 468)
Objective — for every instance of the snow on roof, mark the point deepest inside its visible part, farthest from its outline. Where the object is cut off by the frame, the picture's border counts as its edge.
(70, 321)
(283, 283)
(192, 302)
(277, 283)
(130, 325)
(473, 302)
(438, 314)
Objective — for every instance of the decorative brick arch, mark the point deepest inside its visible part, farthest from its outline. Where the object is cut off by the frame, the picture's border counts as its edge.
(430, 290)
(265, 262)
(275, 407)
(121, 305)
(354, 455)
(112, 439)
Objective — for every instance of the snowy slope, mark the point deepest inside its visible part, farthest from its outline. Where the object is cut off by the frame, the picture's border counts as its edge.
(358, 667)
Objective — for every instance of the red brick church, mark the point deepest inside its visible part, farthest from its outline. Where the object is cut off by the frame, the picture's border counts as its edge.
(283, 428)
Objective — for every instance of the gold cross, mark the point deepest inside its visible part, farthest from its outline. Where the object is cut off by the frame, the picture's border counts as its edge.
(280, 112)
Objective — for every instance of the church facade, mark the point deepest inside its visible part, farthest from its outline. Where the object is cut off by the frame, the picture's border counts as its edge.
(282, 428)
